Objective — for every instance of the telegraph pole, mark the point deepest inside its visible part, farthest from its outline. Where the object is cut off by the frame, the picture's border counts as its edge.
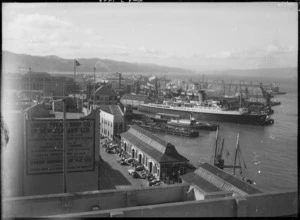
(74, 78)
(94, 87)
(64, 147)
(30, 92)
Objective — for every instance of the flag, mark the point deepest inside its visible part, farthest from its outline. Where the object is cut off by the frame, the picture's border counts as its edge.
(77, 63)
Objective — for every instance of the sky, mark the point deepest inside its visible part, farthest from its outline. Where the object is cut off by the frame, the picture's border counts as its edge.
(198, 36)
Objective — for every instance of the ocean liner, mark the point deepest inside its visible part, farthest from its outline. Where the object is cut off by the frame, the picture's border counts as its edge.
(210, 113)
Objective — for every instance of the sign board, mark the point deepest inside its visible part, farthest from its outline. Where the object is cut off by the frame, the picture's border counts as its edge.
(44, 146)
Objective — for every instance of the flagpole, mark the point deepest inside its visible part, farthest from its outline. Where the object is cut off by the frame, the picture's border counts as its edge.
(74, 77)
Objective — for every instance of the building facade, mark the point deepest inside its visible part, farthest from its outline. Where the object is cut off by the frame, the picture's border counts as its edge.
(134, 100)
(46, 85)
(158, 156)
(104, 96)
(112, 122)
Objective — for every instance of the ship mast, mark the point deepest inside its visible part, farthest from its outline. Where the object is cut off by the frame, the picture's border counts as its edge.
(236, 151)
(216, 147)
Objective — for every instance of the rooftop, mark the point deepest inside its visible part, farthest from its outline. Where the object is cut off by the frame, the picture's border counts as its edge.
(158, 149)
(104, 90)
(221, 179)
(193, 178)
(135, 97)
(112, 109)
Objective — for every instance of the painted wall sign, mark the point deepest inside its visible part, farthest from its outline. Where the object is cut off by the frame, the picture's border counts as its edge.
(44, 142)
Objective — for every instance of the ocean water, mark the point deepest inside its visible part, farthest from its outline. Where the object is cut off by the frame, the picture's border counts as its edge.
(270, 152)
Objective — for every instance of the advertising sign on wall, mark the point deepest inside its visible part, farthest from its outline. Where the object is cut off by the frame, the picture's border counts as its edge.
(44, 146)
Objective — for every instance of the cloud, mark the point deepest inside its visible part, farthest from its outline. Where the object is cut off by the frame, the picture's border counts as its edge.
(150, 51)
(43, 33)
(221, 54)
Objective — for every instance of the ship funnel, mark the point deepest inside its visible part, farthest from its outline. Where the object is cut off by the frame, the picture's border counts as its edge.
(201, 95)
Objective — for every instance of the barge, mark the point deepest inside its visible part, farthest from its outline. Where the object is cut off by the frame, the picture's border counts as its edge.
(169, 130)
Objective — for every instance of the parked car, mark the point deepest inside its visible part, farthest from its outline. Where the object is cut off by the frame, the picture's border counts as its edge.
(157, 184)
(110, 151)
(131, 171)
(141, 174)
(124, 163)
(153, 182)
(135, 174)
(139, 168)
(120, 160)
(130, 160)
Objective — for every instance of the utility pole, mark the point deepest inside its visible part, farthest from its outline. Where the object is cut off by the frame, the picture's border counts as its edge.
(64, 148)
(44, 87)
(74, 78)
(94, 86)
(30, 92)
(82, 92)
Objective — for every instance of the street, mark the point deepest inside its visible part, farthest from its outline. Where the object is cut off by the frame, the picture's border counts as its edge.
(113, 175)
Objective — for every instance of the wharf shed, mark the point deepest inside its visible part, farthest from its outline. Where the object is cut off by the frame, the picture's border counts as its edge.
(134, 100)
(209, 178)
(158, 156)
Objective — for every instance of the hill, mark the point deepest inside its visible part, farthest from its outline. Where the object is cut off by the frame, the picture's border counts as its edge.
(13, 62)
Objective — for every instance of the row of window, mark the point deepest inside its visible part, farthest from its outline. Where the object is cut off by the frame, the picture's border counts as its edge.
(98, 97)
(152, 167)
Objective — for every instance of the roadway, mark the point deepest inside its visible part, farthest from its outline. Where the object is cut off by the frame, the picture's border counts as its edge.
(113, 175)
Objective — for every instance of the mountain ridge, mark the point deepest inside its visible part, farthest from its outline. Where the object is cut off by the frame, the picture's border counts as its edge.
(13, 62)
(52, 63)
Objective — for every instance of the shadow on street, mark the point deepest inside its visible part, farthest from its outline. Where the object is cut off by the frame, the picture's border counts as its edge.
(109, 178)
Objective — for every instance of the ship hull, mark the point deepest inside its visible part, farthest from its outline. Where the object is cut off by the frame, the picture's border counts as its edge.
(239, 119)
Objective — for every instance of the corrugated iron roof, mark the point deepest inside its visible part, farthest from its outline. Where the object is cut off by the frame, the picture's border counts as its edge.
(206, 169)
(192, 178)
(152, 145)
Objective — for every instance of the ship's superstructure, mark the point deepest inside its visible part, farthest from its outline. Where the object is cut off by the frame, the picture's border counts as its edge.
(211, 113)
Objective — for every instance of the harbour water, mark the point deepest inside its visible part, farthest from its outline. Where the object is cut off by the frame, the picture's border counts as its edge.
(270, 152)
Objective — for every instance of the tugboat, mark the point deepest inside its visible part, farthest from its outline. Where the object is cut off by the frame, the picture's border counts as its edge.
(218, 160)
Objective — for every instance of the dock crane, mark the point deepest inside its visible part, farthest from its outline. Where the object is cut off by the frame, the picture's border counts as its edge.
(267, 97)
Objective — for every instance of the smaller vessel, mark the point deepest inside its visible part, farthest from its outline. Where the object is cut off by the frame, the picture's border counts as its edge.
(274, 103)
(192, 123)
(274, 90)
(218, 160)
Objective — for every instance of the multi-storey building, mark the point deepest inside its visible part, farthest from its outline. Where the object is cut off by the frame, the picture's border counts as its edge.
(112, 122)
(104, 96)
